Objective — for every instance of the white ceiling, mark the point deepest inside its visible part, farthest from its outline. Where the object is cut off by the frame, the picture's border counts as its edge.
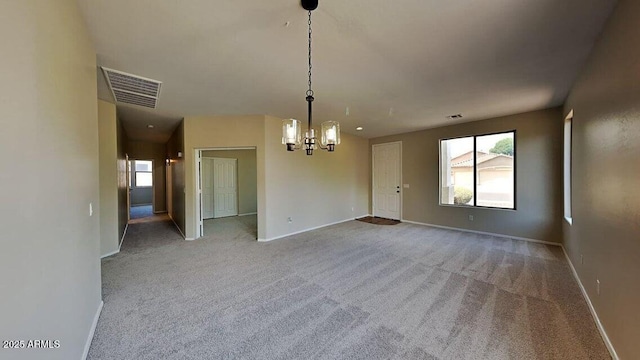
(398, 65)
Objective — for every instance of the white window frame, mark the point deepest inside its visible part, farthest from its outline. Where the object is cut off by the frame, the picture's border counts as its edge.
(135, 173)
(475, 172)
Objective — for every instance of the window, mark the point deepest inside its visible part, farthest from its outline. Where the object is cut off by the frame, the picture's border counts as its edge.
(143, 173)
(478, 171)
(567, 167)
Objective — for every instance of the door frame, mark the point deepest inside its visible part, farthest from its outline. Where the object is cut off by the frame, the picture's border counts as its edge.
(198, 183)
(128, 174)
(373, 177)
(153, 184)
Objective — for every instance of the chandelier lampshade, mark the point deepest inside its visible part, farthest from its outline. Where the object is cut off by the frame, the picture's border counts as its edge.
(330, 135)
(291, 133)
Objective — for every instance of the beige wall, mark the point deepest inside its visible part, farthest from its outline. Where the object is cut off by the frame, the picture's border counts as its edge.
(219, 132)
(141, 150)
(606, 171)
(538, 177)
(333, 184)
(314, 190)
(50, 257)
(177, 177)
(108, 134)
(247, 177)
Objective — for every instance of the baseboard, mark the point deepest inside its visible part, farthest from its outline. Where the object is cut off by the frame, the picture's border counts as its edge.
(124, 233)
(603, 333)
(247, 214)
(126, 227)
(92, 331)
(485, 233)
(178, 227)
(309, 229)
(110, 254)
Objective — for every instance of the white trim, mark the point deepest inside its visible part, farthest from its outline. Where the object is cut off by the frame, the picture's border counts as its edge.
(178, 227)
(110, 254)
(373, 183)
(124, 233)
(603, 333)
(119, 246)
(197, 211)
(569, 220)
(92, 331)
(247, 214)
(485, 233)
(309, 229)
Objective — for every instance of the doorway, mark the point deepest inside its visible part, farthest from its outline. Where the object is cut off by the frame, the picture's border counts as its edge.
(387, 180)
(141, 189)
(226, 192)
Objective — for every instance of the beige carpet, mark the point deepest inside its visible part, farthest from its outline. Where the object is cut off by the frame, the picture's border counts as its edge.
(350, 291)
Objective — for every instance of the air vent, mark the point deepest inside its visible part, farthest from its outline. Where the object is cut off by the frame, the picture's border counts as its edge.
(132, 89)
(456, 116)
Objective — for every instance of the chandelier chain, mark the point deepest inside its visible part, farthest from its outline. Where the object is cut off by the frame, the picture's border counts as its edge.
(310, 92)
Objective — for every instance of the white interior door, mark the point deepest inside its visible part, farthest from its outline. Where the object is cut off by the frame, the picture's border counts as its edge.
(386, 180)
(225, 187)
(207, 188)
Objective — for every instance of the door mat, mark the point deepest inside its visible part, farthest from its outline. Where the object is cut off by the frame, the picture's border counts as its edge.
(378, 220)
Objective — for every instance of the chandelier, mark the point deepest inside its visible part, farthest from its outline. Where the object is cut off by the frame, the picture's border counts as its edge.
(291, 128)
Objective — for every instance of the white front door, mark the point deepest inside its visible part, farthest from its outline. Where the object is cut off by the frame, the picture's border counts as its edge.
(207, 188)
(386, 180)
(225, 187)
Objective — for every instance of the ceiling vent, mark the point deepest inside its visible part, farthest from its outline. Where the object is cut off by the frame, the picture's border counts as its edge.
(132, 89)
(455, 116)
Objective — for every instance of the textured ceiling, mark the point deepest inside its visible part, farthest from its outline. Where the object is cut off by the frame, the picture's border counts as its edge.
(398, 66)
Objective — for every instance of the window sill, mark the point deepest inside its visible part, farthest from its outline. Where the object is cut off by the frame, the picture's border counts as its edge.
(569, 220)
(477, 207)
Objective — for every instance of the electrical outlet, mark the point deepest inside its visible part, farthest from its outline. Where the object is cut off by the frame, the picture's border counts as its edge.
(289, 220)
(353, 209)
(470, 217)
(598, 286)
(406, 186)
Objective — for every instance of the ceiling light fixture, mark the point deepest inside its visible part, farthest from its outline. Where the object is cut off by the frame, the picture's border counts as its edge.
(150, 126)
(359, 128)
(291, 128)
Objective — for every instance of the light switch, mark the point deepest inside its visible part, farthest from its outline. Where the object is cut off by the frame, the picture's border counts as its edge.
(406, 186)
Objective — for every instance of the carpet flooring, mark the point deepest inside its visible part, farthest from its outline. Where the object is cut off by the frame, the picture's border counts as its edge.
(233, 227)
(142, 211)
(349, 291)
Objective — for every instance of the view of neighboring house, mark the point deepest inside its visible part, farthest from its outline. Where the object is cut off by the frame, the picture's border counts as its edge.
(494, 181)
